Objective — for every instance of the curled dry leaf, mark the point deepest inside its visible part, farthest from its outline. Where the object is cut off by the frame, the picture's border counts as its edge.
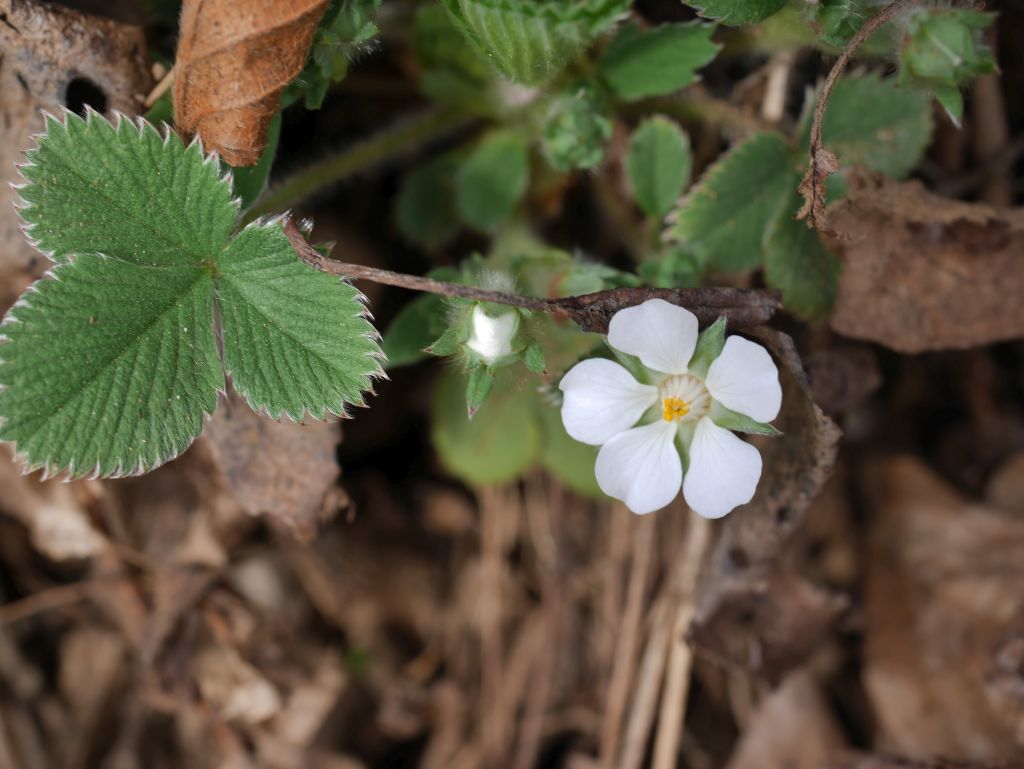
(921, 272)
(234, 60)
(281, 469)
(233, 688)
(940, 631)
(50, 58)
(853, 760)
(752, 612)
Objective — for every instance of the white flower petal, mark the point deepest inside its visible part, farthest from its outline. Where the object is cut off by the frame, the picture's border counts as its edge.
(641, 467)
(491, 338)
(662, 335)
(723, 472)
(744, 378)
(602, 399)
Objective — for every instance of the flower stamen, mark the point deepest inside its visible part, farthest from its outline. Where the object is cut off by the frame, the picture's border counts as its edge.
(674, 408)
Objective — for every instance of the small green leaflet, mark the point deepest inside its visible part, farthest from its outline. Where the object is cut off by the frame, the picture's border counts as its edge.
(652, 62)
(531, 41)
(735, 12)
(798, 263)
(492, 180)
(725, 216)
(658, 164)
(110, 364)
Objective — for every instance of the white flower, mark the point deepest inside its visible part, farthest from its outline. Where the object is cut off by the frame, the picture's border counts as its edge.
(641, 464)
(491, 338)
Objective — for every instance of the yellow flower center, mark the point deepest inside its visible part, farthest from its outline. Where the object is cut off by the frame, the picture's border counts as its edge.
(673, 408)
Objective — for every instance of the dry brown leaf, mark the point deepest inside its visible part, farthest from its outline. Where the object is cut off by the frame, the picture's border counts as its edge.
(792, 728)
(234, 688)
(281, 469)
(853, 760)
(921, 272)
(751, 612)
(943, 599)
(234, 60)
(49, 59)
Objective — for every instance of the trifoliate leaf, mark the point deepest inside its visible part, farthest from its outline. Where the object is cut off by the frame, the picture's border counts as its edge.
(125, 192)
(725, 216)
(497, 444)
(737, 11)
(109, 367)
(651, 62)
(531, 41)
(876, 123)
(425, 211)
(741, 423)
(491, 181)
(577, 130)
(798, 264)
(295, 339)
(658, 164)
(710, 344)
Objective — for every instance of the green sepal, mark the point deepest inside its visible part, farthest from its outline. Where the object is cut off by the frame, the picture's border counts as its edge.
(449, 342)
(710, 343)
(533, 357)
(740, 423)
(478, 387)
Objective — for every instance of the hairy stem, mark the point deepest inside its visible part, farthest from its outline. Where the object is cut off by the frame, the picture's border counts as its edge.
(393, 142)
(592, 312)
(822, 161)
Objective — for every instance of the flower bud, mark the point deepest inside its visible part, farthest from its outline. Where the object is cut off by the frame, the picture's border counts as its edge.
(491, 337)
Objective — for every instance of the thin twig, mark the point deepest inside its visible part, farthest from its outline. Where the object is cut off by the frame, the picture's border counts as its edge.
(56, 597)
(592, 312)
(822, 161)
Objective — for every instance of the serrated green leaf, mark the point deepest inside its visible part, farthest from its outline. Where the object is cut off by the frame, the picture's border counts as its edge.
(491, 181)
(741, 423)
(295, 340)
(877, 123)
(798, 264)
(735, 12)
(413, 329)
(710, 343)
(658, 164)
(651, 62)
(500, 442)
(531, 41)
(725, 216)
(425, 211)
(112, 363)
(109, 367)
(126, 192)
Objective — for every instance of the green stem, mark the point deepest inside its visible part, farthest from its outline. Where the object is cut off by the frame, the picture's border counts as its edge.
(393, 142)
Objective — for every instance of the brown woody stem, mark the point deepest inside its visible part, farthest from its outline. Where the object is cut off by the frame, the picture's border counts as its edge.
(592, 312)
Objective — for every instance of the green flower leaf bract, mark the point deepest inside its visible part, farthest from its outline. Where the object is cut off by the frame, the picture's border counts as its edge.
(652, 62)
(295, 339)
(658, 164)
(109, 364)
(735, 12)
(725, 216)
